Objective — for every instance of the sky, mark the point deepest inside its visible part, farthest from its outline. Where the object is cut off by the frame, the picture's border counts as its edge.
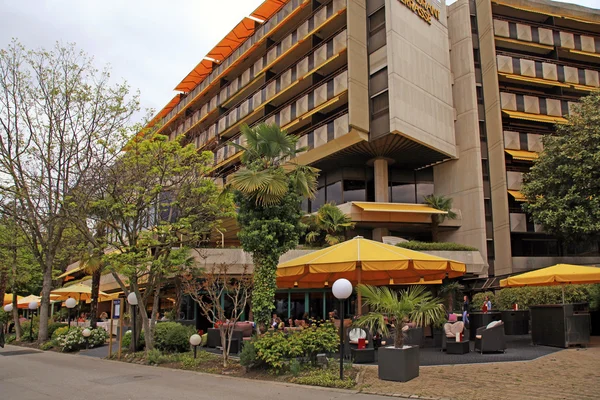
(151, 44)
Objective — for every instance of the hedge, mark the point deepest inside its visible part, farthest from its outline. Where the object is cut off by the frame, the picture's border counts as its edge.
(435, 246)
(532, 295)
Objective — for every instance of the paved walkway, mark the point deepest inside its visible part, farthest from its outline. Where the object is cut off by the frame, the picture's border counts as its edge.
(27, 374)
(567, 374)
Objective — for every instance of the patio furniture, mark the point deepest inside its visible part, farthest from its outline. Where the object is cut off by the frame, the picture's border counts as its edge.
(491, 338)
(479, 319)
(516, 322)
(363, 356)
(559, 325)
(450, 332)
(214, 337)
(454, 347)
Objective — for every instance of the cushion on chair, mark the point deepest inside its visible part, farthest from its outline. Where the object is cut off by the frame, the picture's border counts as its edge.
(492, 324)
(478, 336)
(452, 318)
(355, 334)
(451, 330)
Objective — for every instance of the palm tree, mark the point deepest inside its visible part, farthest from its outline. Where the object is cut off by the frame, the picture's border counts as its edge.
(414, 304)
(93, 266)
(450, 290)
(441, 203)
(268, 174)
(329, 221)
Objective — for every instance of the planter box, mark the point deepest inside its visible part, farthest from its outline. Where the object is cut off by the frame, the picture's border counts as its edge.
(399, 365)
(437, 338)
(515, 322)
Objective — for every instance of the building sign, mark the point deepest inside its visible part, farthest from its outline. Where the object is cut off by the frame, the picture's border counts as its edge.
(423, 9)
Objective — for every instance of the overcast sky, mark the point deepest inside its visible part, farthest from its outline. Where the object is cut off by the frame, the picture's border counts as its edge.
(150, 43)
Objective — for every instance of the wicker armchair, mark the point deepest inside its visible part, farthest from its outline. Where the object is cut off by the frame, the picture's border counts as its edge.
(491, 339)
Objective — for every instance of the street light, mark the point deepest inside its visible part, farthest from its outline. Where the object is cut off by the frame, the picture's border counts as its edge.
(8, 308)
(342, 289)
(86, 334)
(133, 301)
(70, 303)
(195, 340)
(32, 307)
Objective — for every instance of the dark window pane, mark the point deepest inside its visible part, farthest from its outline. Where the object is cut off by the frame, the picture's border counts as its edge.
(403, 192)
(354, 190)
(424, 189)
(334, 193)
(319, 199)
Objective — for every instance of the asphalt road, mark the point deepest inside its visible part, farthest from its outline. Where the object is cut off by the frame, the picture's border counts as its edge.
(31, 375)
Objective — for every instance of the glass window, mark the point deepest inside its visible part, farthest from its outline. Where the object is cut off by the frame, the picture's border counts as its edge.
(354, 190)
(319, 199)
(297, 305)
(334, 193)
(315, 305)
(281, 305)
(424, 189)
(402, 192)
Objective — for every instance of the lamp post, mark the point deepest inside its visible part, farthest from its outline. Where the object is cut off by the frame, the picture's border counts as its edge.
(70, 303)
(133, 301)
(195, 340)
(342, 289)
(32, 307)
(86, 334)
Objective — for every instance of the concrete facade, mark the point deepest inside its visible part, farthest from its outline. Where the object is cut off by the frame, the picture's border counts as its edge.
(420, 81)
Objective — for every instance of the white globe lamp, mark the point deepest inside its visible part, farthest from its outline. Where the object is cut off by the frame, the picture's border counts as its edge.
(342, 289)
(132, 299)
(86, 332)
(71, 303)
(195, 340)
(8, 308)
(33, 305)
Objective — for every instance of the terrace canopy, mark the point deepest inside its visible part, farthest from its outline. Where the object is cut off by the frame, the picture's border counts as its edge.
(8, 298)
(365, 261)
(79, 292)
(560, 274)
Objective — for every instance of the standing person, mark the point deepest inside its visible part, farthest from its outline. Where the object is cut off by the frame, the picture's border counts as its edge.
(488, 304)
(466, 310)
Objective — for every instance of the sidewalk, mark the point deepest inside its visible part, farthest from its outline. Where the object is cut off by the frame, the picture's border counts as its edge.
(567, 374)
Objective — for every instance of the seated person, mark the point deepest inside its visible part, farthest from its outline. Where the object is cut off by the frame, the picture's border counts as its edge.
(103, 316)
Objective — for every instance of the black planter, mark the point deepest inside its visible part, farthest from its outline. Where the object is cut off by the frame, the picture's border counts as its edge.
(399, 365)
(437, 338)
(515, 322)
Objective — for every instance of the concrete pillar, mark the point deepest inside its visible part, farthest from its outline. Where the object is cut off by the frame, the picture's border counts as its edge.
(379, 233)
(382, 193)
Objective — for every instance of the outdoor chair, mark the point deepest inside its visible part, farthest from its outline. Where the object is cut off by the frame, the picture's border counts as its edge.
(491, 338)
(451, 330)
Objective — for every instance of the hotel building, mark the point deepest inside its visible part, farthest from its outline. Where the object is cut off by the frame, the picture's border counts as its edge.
(399, 99)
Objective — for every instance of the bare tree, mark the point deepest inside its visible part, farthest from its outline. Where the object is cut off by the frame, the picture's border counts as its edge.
(60, 121)
(209, 287)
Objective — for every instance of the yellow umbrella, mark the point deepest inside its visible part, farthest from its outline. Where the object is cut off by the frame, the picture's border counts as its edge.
(8, 298)
(560, 274)
(78, 291)
(23, 302)
(365, 261)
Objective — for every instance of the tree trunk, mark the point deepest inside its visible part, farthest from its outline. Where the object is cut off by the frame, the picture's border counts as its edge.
(15, 312)
(178, 297)
(45, 303)
(3, 282)
(96, 276)
(399, 335)
(435, 229)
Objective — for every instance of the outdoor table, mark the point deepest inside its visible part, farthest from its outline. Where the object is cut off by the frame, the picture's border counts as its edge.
(516, 322)
(454, 347)
(479, 319)
(363, 356)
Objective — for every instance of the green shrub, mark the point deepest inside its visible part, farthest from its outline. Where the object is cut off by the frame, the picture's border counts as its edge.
(74, 340)
(59, 331)
(532, 295)
(479, 299)
(3, 316)
(248, 357)
(47, 345)
(172, 337)
(54, 326)
(26, 327)
(295, 367)
(326, 378)
(10, 338)
(141, 343)
(155, 357)
(189, 362)
(275, 348)
(433, 246)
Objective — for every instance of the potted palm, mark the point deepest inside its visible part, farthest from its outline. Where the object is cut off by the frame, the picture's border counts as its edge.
(399, 362)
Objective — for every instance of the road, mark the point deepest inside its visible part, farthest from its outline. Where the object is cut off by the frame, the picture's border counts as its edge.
(31, 375)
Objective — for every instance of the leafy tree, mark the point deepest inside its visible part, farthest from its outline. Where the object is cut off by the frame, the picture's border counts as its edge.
(268, 191)
(58, 117)
(451, 290)
(156, 205)
(563, 186)
(441, 203)
(328, 226)
(208, 287)
(414, 304)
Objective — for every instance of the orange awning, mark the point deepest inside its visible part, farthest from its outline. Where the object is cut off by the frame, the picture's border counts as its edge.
(166, 109)
(397, 207)
(522, 155)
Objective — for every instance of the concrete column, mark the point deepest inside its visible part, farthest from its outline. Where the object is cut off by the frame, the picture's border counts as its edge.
(382, 193)
(379, 233)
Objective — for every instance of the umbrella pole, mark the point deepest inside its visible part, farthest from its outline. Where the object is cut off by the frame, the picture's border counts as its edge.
(563, 293)
(359, 297)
